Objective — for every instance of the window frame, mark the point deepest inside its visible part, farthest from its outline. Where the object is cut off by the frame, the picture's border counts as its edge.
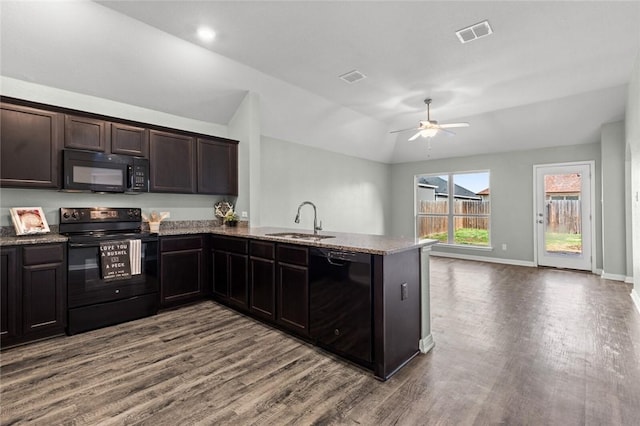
(451, 215)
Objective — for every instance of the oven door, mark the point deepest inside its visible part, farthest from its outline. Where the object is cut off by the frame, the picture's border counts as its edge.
(85, 285)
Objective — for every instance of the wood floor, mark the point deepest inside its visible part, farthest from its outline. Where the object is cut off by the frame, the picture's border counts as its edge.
(514, 345)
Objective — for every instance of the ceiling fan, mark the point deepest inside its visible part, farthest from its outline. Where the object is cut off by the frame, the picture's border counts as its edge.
(430, 128)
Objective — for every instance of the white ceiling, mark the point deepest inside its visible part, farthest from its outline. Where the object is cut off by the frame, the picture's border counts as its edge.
(550, 75)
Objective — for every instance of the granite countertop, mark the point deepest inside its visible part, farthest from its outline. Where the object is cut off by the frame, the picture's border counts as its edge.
(33, 239)
(363, 243)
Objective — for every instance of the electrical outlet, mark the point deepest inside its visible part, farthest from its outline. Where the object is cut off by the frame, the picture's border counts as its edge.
(504, 246)
(166, 215)
(244, 214)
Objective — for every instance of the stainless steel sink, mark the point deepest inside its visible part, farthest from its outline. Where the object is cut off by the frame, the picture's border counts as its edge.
(300, 236)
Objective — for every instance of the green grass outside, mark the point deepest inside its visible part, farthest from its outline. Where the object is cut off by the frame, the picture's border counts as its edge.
(564, 243)
(466, 236)
(555, 242)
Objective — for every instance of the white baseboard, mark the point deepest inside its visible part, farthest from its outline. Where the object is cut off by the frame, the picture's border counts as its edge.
(483, 258)
(426, 344)
(628, 280)
(614, 277)
(636, 299)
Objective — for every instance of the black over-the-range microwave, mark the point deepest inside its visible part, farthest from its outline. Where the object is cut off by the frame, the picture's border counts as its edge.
(99, 172)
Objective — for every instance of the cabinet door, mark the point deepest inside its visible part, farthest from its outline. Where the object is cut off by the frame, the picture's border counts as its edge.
(30, 149)
(9, 295)
(172, 159)
(44, 290)
(238, 280)
(129, 140)
(85, 133)
(180, 275)
(293, 297)
(220, 274)
(263, 287)
(217, 167)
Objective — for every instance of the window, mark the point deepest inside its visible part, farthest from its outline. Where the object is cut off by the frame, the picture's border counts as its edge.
(463, 219)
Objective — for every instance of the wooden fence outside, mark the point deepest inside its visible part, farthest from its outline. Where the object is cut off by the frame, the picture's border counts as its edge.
(438, 224)
(564, 216)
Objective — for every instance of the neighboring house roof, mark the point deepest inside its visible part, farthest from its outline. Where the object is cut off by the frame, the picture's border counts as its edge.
(441, 187)
(483, 192)
(562, 183)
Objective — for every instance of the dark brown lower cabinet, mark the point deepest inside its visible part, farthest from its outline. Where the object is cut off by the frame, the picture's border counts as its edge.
(293, 288)
(293, 298)
(10, 288)
(34, 292)
(230, 271)
(268, 280)
(181, 269)
(262, 279)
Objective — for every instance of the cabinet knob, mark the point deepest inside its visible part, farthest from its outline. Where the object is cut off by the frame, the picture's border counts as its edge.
(336, 332)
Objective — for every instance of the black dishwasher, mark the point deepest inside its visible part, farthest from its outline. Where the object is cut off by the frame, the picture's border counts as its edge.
(341, 302)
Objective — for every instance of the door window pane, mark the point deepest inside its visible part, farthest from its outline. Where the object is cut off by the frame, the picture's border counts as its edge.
(563, 225)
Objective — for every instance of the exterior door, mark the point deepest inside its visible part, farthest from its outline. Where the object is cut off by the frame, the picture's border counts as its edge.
(563, 219)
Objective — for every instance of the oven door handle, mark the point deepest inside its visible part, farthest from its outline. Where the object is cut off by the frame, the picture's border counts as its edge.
(78, 245)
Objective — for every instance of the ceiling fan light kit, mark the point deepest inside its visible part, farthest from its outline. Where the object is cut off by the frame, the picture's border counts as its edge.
(429, 128)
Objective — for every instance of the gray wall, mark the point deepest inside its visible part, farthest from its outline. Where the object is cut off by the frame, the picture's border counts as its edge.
(181, 206)
(351, 194)
(614, 265)
(632, 133)
(511, 196)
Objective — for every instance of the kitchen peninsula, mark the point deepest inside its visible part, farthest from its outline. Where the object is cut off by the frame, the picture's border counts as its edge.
(362, 297)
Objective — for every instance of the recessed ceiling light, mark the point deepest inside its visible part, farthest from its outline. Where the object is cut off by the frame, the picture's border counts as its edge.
(206, 34)
(474, 32)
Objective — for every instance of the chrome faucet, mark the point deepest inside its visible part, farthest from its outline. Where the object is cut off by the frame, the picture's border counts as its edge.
(316, 228)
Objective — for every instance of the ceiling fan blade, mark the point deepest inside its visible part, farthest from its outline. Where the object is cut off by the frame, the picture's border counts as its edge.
(405, 130)
(414, 137)
(452, 125)
(449, 132)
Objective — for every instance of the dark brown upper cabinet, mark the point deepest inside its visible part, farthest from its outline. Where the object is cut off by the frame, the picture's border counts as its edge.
(85, 133)
(217, 167)
(172, 162)
(129, 140)
(30, 149)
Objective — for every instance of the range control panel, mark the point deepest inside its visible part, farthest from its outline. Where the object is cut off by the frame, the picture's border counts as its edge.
(99, 214)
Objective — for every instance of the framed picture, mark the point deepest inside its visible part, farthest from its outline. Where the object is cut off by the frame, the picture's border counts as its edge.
(29, 220)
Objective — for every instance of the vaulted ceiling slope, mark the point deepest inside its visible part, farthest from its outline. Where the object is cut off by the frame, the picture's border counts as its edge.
(550, 75)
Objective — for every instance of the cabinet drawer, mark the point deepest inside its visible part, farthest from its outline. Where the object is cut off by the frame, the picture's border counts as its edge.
(40, 254)
(293, 254)
(234, 245)
(180, 243)
(263, 249)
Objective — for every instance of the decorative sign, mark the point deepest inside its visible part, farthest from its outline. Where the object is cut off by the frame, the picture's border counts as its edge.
(115, 260)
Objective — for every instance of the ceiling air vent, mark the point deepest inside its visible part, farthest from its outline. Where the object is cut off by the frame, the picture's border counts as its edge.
(474, 32)
(353, 76)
